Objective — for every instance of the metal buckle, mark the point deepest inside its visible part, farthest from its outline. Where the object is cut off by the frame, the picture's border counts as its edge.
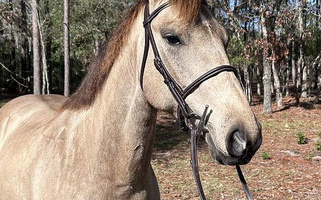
(199, 123)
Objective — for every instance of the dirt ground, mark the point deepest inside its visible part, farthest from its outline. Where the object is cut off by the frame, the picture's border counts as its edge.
(281, 169)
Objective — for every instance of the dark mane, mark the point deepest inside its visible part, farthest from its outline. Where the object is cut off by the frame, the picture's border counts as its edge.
(99, 69)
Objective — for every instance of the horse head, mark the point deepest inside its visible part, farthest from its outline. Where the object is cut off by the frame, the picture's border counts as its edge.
(189, 43)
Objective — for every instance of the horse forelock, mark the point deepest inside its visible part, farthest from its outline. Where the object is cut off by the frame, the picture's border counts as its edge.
(189, 11)
(100, 67)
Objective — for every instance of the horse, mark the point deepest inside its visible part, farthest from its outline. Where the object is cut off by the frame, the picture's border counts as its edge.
(97, 144)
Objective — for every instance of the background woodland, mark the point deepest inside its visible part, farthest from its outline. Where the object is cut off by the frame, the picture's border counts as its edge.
(46, 46)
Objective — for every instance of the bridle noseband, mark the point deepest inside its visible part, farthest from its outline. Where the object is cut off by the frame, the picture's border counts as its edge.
(188, 120)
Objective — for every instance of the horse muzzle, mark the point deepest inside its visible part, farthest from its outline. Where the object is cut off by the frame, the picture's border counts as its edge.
(239, 150)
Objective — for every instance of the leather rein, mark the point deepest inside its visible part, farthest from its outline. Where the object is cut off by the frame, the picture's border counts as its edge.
(188, 120)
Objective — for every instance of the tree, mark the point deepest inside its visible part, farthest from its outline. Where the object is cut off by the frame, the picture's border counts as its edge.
(13, 42)
(303, 68)
(267, 72)
(35, 48)
(66, 48)
(25, 58)
(45, 77)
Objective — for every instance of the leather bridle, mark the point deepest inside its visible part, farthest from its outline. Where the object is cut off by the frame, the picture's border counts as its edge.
(190, 121)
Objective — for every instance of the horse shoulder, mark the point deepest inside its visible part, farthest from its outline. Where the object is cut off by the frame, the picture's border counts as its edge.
(23, 124)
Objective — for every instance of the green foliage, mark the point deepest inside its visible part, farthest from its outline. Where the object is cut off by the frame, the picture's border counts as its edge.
(318, 145)
(235, 52)
(266, 156)
(92, 23)
(313, 42)
(301, 139)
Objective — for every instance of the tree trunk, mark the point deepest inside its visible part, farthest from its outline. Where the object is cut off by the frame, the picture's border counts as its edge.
(317, 66)
(66, 49)
(267, 80)
(24, 43)
(295, 73)
(258, 79)
(267, 102)
(317, 63)
(45, 80)
(13, 46)
(317, 99)
(287, 81)
(304, 91)
(298, 83)
(277, 85)
(302, 66)
(299, 74)
(36, 49)
(247, 79)
(282, 74)
(48, 42)
(12, 65)
(318, 13)
(288, 71)
(293, 64)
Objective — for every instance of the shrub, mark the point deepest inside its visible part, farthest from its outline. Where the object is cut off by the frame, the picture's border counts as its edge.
(301, 138)
(266, 156)
(318, 145)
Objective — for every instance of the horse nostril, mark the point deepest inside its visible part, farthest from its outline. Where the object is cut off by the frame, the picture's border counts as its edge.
(236, 144)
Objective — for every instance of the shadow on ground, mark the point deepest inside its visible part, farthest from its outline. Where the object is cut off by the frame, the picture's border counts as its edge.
(168, 133)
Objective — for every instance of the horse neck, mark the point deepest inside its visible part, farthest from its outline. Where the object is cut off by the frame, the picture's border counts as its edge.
(118, 129)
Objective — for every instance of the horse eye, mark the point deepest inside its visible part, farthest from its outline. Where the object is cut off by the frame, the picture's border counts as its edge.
(172, 40)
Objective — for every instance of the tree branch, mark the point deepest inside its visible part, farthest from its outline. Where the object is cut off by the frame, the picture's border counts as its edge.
(12, 74)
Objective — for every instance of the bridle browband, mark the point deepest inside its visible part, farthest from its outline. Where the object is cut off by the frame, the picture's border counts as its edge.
(188, 120)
